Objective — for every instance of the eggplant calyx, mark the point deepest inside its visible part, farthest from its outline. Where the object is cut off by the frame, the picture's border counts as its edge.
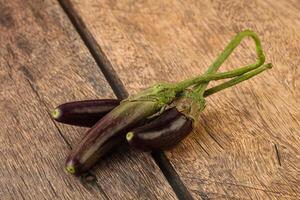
(190, 104)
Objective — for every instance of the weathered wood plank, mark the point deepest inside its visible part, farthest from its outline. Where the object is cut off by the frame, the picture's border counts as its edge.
(43, 63)
(248, 143)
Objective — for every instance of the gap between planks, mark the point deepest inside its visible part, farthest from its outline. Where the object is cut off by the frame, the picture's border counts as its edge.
(120, 91)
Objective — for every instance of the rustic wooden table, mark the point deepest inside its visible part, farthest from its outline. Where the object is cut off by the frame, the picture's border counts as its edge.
(248, 143)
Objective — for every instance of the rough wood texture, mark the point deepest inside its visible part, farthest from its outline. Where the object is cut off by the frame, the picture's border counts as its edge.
(248, 143)
(43, 63)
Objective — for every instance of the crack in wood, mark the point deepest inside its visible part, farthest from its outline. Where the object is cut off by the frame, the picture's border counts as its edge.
(208, 132)
(9, 69)
(171, 175)
(243, 186)
(277, 154)
(202, 147)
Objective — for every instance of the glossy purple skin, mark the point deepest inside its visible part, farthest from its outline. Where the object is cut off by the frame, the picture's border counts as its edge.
(108, 133)
(85, 113)
(162, 133)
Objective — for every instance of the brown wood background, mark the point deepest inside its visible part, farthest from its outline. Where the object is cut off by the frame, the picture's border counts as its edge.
(247, 145)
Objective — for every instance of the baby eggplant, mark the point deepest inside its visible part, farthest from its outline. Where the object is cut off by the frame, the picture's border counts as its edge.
(163, 133)
(108, 133)
(84, 113)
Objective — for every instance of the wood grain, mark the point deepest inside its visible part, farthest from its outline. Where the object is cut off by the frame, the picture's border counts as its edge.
(247, 145)
(43, 63)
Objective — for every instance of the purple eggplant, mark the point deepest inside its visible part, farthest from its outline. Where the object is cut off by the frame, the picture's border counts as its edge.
(108, 133)
(163, 133)
(84, 113)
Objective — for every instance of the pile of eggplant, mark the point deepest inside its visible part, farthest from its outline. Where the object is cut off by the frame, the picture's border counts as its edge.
(156, 118)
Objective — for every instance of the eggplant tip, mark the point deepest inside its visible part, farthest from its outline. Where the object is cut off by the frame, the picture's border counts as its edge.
(129, 136)
(71, 169)
(56, 113)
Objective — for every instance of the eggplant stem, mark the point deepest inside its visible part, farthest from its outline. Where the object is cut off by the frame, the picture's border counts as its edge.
(237, 80)
(200, 88)
(217, 76)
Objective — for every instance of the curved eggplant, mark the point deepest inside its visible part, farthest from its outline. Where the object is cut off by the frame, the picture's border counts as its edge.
(163, 133)
(84, 113)
(107, 133)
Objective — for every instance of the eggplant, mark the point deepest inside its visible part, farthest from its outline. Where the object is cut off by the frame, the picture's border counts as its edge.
(163, 133)
(84, 113)
(108, 133)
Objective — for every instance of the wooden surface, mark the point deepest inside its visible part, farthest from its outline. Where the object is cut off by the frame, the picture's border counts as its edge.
(247, 145)
(43, 63)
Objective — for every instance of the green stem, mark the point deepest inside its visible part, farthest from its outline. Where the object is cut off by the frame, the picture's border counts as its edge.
(237, 80)
(209, 77)
(227, 52)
